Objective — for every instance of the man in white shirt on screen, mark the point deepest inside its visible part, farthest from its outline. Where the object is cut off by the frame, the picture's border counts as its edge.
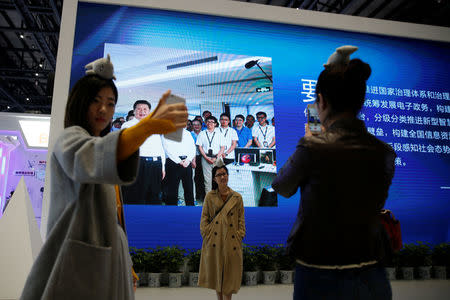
(211, 145)
(230, 138)
(197, 162)
(178, 168)
(263, 134)
(147, 187)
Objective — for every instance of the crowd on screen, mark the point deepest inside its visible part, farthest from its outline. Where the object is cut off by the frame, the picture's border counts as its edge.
(165, 164)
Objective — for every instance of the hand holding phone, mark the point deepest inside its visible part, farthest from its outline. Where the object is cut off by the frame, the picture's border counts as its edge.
(178, 134)
(314, 125)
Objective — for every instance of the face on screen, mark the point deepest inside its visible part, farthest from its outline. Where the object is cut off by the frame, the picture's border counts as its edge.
(261, 119)
(210, 124)
(224, 121)
(196, 125)
(141, 111)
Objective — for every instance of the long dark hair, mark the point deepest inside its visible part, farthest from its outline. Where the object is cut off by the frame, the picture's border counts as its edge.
(214, 171)
(344, 88)
(81, 96)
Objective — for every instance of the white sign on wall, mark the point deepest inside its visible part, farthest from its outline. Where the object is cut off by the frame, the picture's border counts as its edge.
(36, 132)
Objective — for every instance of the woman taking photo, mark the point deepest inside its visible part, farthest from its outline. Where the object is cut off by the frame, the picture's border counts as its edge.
(86, 253)
(344, 174)
(222, 227)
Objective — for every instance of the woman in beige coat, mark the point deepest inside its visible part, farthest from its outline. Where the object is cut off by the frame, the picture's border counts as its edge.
(222, 227)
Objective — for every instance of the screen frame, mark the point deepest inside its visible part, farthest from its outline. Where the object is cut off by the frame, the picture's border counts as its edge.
(231, 9)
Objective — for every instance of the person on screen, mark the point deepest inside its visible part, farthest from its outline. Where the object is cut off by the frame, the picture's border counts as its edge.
(211, 145)
(197, 162)
(178, 168)
(263, 134)
(244, 133)
(86, 237)
(199, 118)
(222, 227)
(147, 187)
(230, 138)
(116, 125)
(249, 121)
(205, 115)
(189, 126)
(196, 129)
(130, 115)
(344, 174)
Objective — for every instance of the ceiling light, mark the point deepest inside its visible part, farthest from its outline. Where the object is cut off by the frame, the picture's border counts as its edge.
(41, 65)
(37, 74)
(28, 99)
(22, 36)
(9, 107)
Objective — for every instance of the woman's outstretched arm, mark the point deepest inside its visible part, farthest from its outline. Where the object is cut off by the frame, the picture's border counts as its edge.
(164, 119)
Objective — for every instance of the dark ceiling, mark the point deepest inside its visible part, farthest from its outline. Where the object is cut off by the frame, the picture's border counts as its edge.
(29, 32)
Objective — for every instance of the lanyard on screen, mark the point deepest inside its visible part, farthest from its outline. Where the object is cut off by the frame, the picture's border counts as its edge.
(210, 140)
(263, 133)
(225, 135)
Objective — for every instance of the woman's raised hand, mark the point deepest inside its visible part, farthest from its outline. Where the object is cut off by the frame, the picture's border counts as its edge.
(177, 112)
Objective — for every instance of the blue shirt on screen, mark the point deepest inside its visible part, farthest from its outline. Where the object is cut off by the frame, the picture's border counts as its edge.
(244, 135)
(194, 136)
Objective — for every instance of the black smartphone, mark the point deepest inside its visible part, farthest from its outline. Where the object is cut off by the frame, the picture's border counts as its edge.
(313, 118)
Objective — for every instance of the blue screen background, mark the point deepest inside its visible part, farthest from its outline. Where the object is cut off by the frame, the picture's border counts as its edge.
(297, 53)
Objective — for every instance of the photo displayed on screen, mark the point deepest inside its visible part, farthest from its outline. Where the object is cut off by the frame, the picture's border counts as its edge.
(233, 92)
(219, 65)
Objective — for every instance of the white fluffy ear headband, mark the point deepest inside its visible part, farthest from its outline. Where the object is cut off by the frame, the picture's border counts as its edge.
(219, 162)
(102, 67)
(340, 57)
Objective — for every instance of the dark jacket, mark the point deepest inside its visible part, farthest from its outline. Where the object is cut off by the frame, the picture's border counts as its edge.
(344, 175)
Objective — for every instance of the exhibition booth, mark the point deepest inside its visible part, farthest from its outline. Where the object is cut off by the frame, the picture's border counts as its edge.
(23, 153)
(201, 50)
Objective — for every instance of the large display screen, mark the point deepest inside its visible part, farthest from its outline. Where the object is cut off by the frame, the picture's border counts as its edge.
(204, 59)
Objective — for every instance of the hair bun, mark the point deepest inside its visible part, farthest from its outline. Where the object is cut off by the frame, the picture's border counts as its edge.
(357, 69)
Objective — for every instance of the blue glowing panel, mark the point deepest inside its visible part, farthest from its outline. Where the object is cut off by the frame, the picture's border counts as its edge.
(407, 106)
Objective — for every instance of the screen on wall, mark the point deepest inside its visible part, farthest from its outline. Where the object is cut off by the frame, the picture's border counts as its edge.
(268, 70)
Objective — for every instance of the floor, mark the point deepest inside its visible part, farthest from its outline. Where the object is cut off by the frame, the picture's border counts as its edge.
(402, 290)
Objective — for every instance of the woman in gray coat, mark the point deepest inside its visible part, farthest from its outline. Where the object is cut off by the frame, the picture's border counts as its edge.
(86, 253)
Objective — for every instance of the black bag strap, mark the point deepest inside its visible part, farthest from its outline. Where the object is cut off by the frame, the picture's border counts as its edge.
(218, 211)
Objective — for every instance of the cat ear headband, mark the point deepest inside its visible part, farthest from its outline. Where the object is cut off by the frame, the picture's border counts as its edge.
(340, 57)
(102, 67)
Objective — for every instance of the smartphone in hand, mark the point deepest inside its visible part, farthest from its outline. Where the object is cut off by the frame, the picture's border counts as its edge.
(313, 119)
(178, 134)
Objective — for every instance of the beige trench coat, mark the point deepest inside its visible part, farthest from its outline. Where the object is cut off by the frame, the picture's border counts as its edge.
(221, 259)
